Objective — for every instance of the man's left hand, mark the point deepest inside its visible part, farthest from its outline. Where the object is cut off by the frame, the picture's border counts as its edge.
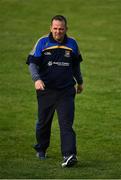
(79, 88)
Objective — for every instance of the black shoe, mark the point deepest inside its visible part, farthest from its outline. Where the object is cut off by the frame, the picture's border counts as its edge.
(69, 161)
(41, 155)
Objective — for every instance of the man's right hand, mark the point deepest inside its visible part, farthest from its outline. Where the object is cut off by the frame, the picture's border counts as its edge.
(39, 85)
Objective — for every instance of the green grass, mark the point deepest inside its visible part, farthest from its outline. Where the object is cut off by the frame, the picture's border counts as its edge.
(96, 26)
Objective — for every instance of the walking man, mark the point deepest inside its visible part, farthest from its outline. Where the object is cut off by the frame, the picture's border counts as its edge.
(54, 64)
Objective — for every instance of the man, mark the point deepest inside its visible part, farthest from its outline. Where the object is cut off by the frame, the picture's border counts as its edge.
(54, 64)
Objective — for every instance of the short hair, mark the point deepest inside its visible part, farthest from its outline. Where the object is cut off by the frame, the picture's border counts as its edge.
(59, 18)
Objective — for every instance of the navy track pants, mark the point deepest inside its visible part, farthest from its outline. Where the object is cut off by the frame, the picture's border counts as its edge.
(63, 102)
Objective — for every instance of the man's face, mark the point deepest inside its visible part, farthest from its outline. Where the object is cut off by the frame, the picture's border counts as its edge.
(58, 30)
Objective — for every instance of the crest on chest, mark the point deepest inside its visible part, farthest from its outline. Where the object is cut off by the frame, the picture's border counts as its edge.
(47, 53)
(67, 54)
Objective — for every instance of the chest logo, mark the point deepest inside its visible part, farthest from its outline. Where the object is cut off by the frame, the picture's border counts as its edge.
(67, 53)
(47, 53)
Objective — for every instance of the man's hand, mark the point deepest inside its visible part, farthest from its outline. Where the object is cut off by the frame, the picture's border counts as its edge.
(39, 85)
(79, 88)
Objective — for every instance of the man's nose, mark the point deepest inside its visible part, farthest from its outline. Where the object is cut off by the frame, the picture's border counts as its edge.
(58, 30)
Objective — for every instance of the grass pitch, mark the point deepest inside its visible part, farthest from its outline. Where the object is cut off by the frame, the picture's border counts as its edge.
(96, 26)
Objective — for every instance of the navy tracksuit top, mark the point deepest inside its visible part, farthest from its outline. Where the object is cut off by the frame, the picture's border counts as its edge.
(56, 62)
